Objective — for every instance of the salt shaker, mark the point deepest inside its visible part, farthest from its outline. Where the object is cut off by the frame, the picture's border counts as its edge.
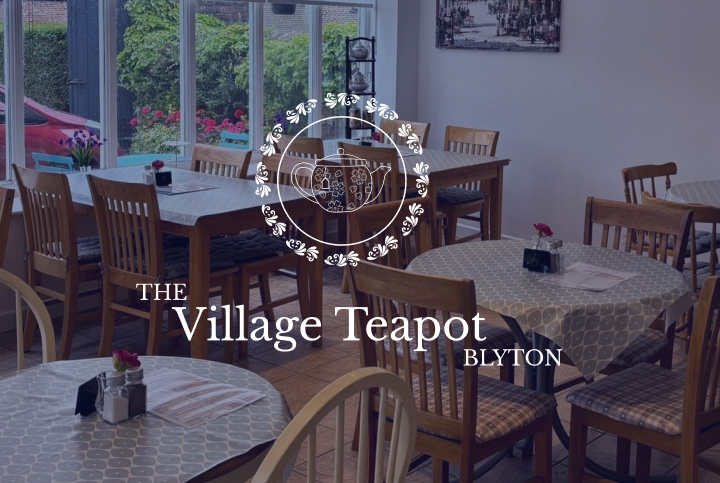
(115, 398)
(137, 392)
(148, 175)
(557, 256)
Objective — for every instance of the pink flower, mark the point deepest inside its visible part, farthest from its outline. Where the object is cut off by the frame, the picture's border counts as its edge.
(208, 129)
(210, 122)
(198, 121)
(122, 360)
(134, 121)
(241, 126)
(376, 136)
(542, 230)
(157, 165)
(239, 113)
(152, 123)
(145, 110)
(159, 114)
(225, 122)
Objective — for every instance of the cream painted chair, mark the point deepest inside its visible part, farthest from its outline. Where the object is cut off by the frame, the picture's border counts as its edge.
(372, 436)
(23, 293)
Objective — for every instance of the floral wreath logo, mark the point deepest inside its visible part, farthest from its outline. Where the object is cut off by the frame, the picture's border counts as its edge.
(327, 182)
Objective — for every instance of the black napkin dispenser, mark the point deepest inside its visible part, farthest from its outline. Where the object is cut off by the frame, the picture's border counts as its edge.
(87, 396)
(163, 178)
(538, 261)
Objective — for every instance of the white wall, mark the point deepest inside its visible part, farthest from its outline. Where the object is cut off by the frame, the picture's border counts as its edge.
(635, 82)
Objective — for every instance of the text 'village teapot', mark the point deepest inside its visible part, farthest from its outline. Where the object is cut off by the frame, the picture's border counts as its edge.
(341, 183)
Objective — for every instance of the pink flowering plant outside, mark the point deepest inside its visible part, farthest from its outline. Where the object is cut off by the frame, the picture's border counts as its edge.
(123, 360)
(153, 127)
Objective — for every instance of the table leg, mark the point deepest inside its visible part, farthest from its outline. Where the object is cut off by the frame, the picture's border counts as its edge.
(495, 208)
(199, 290)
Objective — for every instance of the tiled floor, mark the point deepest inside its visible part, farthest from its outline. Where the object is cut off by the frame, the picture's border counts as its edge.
(302, 373)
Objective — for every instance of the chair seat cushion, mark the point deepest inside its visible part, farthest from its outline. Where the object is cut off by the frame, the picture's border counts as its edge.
(249, 246)
(176, 263)
(502, 407)
(703, 243)
(643, 348)
(702, 273)
(454, 195)
(646, 395)
(89, 249)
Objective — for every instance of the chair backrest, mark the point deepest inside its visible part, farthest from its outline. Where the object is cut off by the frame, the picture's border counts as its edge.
(709, 215)
(414, 234)
(310, 148)
(471, 141)
(391, 127)
(364, 381)
(701, 406)
(219, 161)
(50, 230)
(636, 179)
(281, 173)
(50, 163)
(7, 195)
(391, 293)
(234, 140)
(24, 293)
(128, 220)
(630, 223)
(385, 187)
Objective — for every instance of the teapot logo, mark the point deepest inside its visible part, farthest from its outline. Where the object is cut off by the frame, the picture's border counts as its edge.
(340, 183)
(343, 183)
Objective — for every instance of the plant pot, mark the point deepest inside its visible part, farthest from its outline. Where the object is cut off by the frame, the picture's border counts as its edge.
(163, 178)
(283, 8)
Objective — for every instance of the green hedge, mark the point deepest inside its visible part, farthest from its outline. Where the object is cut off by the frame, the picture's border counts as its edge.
(46, 65)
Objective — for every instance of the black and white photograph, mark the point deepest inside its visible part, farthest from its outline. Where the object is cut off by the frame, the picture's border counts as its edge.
(514, 25)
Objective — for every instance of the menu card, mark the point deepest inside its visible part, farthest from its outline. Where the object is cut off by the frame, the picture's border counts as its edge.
(187, 187)
(584, 276)
(189, 401)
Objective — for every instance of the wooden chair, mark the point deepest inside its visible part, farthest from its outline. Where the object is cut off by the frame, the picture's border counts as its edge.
(234, 140)
(276, 255)
(636, 177)
(462, 202)
(228, 162)
(370, 464)
(24, 293)
(128, 219)
(674, 412)
(698, 271)
(391, 127)
(54, 250)
(51, 163)
(309, 148)
(463, 418)
(621, 224)
(7, 195)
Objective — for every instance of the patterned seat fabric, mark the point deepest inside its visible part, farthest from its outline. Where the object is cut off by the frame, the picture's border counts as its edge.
(89, 249)
(646, 395)
(176, 263)
(249, 246)
(502, 407)
(454, 195)
(643, 348)
(703, 243)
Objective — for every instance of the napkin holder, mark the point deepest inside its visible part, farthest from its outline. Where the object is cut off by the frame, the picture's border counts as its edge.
(163, 178)
(538, 260)
(90, 395)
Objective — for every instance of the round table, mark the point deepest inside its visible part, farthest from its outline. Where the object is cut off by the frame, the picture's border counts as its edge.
(697, 192)
(43, 440)
(592, 328)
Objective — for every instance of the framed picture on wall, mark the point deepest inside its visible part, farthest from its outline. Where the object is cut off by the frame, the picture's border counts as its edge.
(512, 25)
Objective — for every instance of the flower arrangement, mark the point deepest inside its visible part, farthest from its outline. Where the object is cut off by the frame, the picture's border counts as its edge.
(279, 118)
(157, 165)
(123, 360)
(376, 136)
(84, 148)
(541, 231)
(155, 126)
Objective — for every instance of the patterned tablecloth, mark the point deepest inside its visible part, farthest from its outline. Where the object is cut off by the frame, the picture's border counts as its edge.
(697, 192)
(41, 440)
(592, 328)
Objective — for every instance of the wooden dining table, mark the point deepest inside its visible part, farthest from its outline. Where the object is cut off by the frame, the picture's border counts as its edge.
(44, 440)
(446, 169)
(229, 208)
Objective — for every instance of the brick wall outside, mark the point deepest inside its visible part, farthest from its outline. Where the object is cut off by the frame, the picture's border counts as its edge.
(42, 11)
